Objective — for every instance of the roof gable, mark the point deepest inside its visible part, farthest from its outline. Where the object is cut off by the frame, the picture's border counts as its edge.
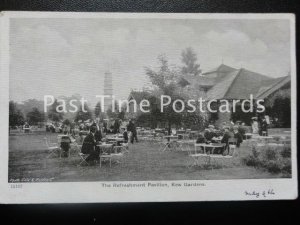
(221, 88)
(138, 96)
(277, 83)
(245, 84)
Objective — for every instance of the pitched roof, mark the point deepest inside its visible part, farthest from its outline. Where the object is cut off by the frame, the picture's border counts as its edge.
(199, 80)
(222, 68)
(220, 89)
(271, 87)
(245, 84)
(238, 84)
(138, 95)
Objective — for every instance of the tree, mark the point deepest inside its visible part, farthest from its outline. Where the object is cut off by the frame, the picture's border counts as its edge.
(16, 117)
(165, 82)
(278, 106)
(35, 116)
(29, 104)
(67, 122)
(53, 114)
(83, 115)
(117, 114)
(189, 59)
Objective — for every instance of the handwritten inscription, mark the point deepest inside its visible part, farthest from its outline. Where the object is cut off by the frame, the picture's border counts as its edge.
(260, 194)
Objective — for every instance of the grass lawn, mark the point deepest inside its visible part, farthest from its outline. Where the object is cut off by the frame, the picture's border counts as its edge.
(28, 152)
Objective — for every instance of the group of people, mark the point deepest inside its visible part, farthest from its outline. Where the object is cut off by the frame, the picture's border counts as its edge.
(260, 125)
(95, 136)
(210, 134)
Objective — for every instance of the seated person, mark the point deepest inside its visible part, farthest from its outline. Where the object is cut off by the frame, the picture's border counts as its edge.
(26, 127)
(88, 146)
(200, 140)
(209, 133)
(65, 145)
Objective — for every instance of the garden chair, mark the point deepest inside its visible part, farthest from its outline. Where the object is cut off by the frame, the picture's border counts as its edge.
(125, 148)
(53, 148)
(164, 144)
(197, 157)
(232, 142)
(118, 153)
(75, 147)
(105, 153)
(83, 158)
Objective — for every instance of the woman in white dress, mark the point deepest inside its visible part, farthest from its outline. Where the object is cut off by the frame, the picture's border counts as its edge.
(254, 125)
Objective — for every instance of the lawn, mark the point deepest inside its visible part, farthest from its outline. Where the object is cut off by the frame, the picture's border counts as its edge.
(28, 152)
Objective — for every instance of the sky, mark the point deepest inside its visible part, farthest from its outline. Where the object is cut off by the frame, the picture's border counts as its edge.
(68, 56)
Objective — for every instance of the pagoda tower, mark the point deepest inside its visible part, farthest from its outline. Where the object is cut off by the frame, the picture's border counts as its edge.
(108, 90)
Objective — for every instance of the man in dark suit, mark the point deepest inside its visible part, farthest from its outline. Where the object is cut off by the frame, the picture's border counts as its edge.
(98, 133)
(238, 136)
(225, 138)
(131, 127)
(89, 143)
(209, 133)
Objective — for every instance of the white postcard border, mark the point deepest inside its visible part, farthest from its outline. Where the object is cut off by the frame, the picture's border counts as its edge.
(206, 190)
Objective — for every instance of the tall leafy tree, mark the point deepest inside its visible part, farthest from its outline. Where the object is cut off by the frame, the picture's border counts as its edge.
(81, 115)
(53, 114)
(113, 114)
(35, 116)
(16, 117)
(189, 59)
(164, 81)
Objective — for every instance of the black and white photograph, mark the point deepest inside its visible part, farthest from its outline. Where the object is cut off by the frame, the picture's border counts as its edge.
(153, 102)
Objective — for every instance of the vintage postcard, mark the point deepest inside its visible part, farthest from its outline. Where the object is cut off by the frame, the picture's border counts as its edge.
(144, 107)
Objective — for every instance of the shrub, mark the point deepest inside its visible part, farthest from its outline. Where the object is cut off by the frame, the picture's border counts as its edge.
(269, 154)
(252, 159)
(286, 152)
(271, 159)
(272, 166)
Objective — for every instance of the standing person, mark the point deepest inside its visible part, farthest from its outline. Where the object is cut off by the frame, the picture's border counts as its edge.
(125, 135)
(238, 136)
(225, 138)
(264, 126)
(254, 125)
(104, 126)
(98, 133)
(131, 127)
(116, 127)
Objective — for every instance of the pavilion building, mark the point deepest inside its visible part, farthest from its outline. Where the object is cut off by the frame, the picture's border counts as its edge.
(228, 83)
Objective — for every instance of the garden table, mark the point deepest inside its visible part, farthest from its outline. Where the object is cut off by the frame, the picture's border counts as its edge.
(197, 156)
(248, 135)
(265, 138)
(217, 139)
(170, 139)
